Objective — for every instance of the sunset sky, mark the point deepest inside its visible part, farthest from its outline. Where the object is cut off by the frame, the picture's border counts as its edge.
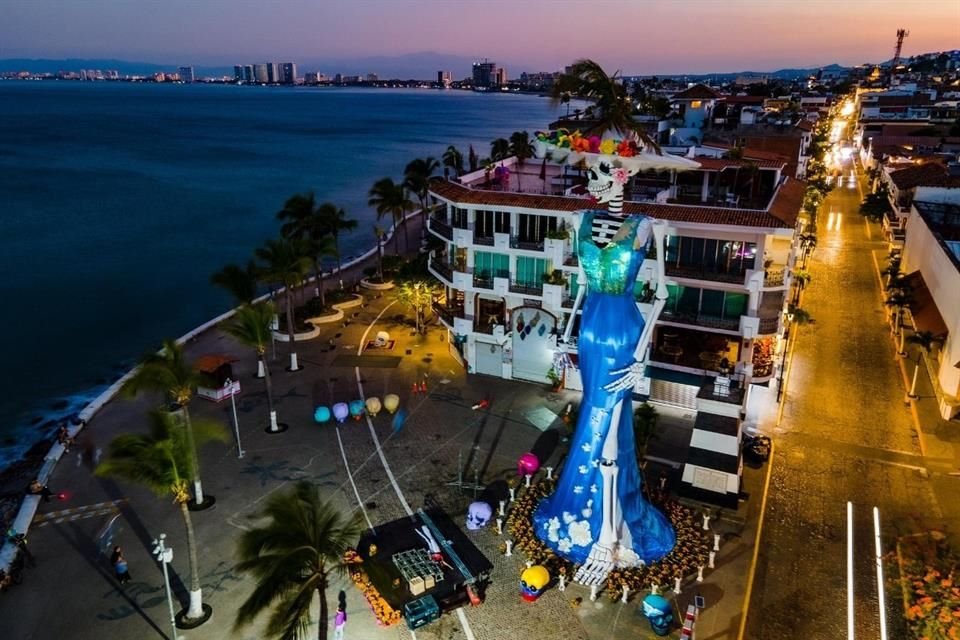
(636, 36)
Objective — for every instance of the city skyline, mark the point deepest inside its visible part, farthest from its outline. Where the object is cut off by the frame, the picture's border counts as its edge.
(537, 35)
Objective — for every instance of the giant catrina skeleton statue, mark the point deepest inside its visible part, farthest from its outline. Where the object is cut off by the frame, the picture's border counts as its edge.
(597, 517)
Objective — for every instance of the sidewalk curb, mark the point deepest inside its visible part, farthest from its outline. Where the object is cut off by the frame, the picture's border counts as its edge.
(756, 545)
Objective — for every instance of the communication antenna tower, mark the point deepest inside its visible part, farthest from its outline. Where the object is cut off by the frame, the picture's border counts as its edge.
(901, 34)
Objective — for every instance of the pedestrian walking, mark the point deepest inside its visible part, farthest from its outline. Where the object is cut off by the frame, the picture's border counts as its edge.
(339, 622)
(37, 488)
(120, 566)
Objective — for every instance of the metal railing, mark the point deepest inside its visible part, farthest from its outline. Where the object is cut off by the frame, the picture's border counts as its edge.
(443, 268)
(715, 389)
(699, 273)
(727, 324)
(768, 325)
(483, 281)
(484, 240)
(774, 277)
(526, 288)
(528, 245)
(442, 228)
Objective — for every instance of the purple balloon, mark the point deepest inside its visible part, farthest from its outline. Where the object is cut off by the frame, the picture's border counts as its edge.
(340, 411)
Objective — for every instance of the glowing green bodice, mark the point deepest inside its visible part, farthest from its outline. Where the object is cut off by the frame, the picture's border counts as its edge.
(613, 268)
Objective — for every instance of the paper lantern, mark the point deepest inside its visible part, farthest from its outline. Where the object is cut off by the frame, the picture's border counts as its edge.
(341, 411)
(321, 414)
(390, 402)
(398, 420)
(373, 406)
(528, 464)
(356, 409)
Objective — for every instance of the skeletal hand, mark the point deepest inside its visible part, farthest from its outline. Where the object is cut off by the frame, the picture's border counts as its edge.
(628, 377)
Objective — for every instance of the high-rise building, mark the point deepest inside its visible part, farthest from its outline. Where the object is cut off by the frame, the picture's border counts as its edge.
(444, 78)
(261, 73)
(288, 73)
(186, 74)
(238, 72)
(273, 72)
(372, 77)
(501, 77)
(484, 73)
(248, 75)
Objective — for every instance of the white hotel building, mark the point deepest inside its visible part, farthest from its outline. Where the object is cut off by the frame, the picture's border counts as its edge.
(509, 271)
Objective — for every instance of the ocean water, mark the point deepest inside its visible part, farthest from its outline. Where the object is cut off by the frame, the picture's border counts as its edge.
(117, 202)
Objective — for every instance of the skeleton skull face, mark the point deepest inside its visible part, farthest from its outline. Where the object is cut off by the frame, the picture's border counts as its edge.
(606, 180)
(478, 515)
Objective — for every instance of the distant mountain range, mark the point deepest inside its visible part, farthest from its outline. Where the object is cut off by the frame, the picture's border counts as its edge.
(422, 66)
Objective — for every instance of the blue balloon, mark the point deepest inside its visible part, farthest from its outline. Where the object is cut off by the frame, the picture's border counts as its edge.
(399, 418)
(356, 408)
(321, 414)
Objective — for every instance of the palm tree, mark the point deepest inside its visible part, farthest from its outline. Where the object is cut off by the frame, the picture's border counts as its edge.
(473, 160)
(925, 340)
(418, 295)
(240, 282)
(453, 160)
(522, 149)
(314, 226)
(335, 220)
(802, 278)
(387, 197)
(808, 242)
(380, 234)
(798, 316)
(251, 327)
(285, 262)
(292, 557)
(612, 106)
(163, 461)
(416, 179)
(169, 372)
(499, 150)
(898, 300)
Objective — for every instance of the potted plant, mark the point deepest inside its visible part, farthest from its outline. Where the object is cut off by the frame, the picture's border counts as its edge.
(555, 277)
(554, 378)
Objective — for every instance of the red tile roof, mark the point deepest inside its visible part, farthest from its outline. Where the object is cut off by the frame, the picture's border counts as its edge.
(696, 92)
(781, 215)
(926, 174)
(719, 164)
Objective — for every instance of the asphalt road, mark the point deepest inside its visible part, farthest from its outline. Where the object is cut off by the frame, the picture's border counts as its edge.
(845, 436)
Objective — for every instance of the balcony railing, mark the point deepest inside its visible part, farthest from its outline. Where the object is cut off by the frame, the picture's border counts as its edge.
(774, 277)
(526, 288)
(699, 273)
(441, 227)
(723, 389)
(444, 269)
(484, 240)
(528, 245)
(483, 281)
(768, 325)
(567, 303)
(447, 314)
(727, 324)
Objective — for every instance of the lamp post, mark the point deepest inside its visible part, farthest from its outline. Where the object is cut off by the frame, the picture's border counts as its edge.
(164, 556)
(783, 360)
(228, 386)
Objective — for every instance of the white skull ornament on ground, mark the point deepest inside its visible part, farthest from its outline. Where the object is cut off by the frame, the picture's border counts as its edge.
(478, 515)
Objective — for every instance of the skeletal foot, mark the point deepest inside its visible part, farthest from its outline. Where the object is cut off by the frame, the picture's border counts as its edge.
(599, 564)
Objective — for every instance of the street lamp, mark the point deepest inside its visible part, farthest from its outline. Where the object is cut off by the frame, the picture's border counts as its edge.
(228, 387)
(164, 556)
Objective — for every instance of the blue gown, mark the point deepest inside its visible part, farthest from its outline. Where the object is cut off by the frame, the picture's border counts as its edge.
(569, 520)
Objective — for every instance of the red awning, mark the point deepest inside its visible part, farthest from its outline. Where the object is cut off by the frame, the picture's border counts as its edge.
(926, 316)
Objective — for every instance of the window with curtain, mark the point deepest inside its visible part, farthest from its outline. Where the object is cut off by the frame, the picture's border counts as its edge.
(490, 265)
(530, 271)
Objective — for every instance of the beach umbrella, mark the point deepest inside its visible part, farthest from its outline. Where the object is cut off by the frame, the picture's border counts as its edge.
(373, 406)
(356, 409)
(321, 414)
(390, 402)
(528, 464)
(341, 411)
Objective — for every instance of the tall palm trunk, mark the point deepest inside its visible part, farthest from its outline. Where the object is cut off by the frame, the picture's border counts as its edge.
(396, 238)
(194, 463)
(195, 609)
(290, 329)
(269, 385)
(380, 258)
(406, 233)
(318, 269)
(324, 613)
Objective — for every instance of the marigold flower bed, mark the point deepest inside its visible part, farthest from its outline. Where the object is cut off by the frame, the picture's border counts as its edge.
(689, 553)
(931, 593)
(385, 614)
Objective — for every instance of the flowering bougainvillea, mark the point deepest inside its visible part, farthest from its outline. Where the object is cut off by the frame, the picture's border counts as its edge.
(929, 576)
